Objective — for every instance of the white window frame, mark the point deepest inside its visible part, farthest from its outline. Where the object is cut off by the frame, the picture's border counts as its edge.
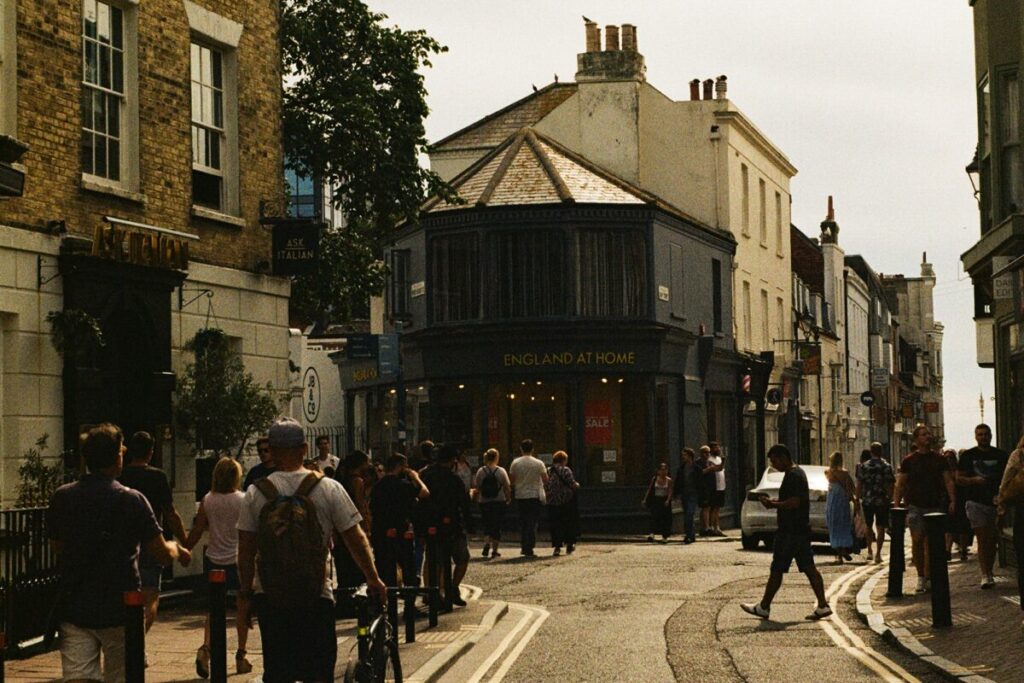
(748, 342)
(129, 182)
(745, 180)
(762, 200)
(8, 68)
(222, 34)
(779, 246)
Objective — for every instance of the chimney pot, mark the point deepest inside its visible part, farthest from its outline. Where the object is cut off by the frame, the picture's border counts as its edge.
(831, 211)
(629, 37)
(720, 88)
(708, 87)
(611, 38)
(593, 37)
(695, 89)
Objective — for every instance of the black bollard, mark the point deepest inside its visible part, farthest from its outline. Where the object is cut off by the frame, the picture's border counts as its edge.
(431, 552)
(432, 606)
(218, 626)
(393, 607)
(409, 614)
(134, 638)
(897, 561)
(935, 523)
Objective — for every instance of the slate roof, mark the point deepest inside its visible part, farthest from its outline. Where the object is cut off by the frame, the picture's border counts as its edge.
(494, 128)
(530, 168)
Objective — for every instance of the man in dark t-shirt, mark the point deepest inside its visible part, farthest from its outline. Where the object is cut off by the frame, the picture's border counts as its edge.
(979, 472)
(793, 538)
(925, 484)
(151, 482)
(448, 510)
(96, 527)
(265, 467)
(392, 500)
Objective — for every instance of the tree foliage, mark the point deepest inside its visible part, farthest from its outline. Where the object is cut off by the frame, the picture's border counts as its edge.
(354, 107)
(38, 479)
(220, 406)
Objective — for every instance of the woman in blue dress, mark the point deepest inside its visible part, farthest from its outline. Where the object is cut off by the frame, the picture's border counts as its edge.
(838, 516)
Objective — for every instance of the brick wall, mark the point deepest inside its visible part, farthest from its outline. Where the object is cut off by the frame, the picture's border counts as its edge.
(49, 88)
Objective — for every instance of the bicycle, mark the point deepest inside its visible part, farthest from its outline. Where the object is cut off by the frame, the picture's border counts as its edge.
(377, 659)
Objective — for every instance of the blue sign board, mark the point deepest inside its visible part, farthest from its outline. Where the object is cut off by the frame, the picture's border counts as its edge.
(361, 346)
(387, 354)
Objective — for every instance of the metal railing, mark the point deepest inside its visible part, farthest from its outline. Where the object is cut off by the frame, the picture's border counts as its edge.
(28, 575)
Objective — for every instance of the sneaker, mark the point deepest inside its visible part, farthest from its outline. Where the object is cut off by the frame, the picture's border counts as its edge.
(819, 613)
(203, 662)
(569, 549)
(242, 665)
(988, 582)
(556, 552)
(458, 601)
(650, 538)
(718, 532)
(922, 585)
(495, 554)
(755, 609)
(486, 550)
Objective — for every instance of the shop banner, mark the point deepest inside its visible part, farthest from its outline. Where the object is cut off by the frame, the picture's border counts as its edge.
(597, 423)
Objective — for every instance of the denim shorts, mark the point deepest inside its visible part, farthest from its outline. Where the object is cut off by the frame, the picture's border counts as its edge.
(788, 547)
(151, 574)
(915, 516)
(980, 516)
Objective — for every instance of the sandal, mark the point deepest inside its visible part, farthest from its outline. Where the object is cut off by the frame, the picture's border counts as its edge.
(203, 662)
(242, 665)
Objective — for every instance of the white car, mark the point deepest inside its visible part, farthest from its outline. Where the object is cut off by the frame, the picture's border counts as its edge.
(759, 523)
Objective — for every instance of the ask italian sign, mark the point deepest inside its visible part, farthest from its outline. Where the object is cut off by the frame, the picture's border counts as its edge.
(296, 247)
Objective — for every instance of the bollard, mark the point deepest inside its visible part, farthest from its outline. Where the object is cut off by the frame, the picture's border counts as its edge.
(393, 607)
(432, 607)
(134, 638)
(3, 654)
(409, 614)
(446, 572)
(897, 561)
(218, 627)
(432, 557)
(935, 523)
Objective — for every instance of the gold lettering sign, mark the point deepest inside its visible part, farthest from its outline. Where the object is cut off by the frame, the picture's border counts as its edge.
(364, 374)
(568, 358)
(141, 248)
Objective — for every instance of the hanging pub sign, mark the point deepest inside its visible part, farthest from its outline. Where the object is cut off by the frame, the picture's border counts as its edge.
(810, 358)
(296, 247)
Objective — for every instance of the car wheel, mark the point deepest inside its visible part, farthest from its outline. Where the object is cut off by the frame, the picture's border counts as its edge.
(749, 542)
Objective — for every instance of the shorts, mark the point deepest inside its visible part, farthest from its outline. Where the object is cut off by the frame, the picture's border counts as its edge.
(460, 548)
(231, 570)
(981, 516)
(788, 547)
(876, 515)
(915, 516)
(151, 573)
(298, 644)
(717, 499)
(80, 653)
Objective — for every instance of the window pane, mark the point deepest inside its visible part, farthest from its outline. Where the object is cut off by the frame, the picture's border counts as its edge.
(87, 151)
(205, 74)
(113, 116)
(118, 71)
(195, 62)
(218, 109)
(114, 160)
(102, 22)
(529, 274)
(214, 158)
(197, 145)
(104, 55)
(206, 190)
(89, 18)
(91, 67)
(101, 156)
(99, 103)
(116, 29)
(455, 278)
(216, 79)
(87, 108)
(207, 107)
(197, 102)
(613, 274)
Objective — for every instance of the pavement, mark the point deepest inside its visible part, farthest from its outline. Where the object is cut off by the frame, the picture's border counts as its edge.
(986, 634)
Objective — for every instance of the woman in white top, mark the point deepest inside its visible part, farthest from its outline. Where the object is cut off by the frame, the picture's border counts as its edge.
(658, 500)
(218, 514)
(494, 494)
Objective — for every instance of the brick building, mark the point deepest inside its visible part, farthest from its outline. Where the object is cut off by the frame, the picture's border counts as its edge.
(153, 135)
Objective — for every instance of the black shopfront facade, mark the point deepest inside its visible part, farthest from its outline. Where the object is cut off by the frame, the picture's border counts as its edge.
(604, 331)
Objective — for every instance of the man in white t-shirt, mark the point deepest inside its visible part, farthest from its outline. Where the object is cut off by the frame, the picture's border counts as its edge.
(300, 644)
(528, 476)
(325, 461)
(717, 464)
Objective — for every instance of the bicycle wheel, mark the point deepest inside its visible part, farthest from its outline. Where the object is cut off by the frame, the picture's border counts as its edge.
(389, 664)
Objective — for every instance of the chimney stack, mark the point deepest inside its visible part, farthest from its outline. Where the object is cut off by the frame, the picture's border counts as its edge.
(708, 86)
(695, 89)
(831, 215)
(611, 38)
(829, 227)
(720, 88)
(593, 37)
(629, 38)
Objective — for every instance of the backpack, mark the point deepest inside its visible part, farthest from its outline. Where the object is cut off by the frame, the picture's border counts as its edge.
(489, 487)
(290, 545)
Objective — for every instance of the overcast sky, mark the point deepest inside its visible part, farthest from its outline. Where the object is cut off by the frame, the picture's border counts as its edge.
(873, 102)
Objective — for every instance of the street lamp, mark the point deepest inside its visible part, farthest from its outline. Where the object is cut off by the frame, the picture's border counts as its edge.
(974, 175)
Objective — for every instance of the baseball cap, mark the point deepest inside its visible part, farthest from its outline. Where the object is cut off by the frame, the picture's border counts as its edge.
(286, 433)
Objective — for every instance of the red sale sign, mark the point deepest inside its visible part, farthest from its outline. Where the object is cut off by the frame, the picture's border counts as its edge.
(597, 423)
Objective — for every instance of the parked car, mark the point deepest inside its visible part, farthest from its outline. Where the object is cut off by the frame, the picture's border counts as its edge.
(759, 523)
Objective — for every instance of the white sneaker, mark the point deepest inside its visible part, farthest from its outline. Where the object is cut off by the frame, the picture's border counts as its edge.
(922, 585)
(755, 609)
(988, 582)
(819, 613)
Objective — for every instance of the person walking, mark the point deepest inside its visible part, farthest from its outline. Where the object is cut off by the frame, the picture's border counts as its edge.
(875, 481)
(464, 471)
(263, 468)
(448, 508)
(325, 461)
(705, 489)
(392, 501)
(793, 538)
(716, 464)
(925, 483)
(959, 527)
(685, 487)
(151, 482)
(980, 472)
(528, 475)
(1011, 498)
(658, 500)
(841, 492)
(292, 589)
(563, 516)
(351, 476)
(494, 494)
(96, 527)
(218, 514)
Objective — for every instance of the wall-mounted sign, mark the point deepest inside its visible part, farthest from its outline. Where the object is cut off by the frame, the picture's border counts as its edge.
(610, 456)
(296, 247)
(810, 358)
(662, 293)
(1002, 285)
(569, 358)
(774, 396)
(311, 395)
(387, 354)
(607, 476)
(931, 407)
(361, 346)
(867, 399)
(879, 378)
(129, 244)
(417, 289)
(597, 423)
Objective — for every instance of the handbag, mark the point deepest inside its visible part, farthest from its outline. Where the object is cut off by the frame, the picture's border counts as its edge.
(860, 529)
